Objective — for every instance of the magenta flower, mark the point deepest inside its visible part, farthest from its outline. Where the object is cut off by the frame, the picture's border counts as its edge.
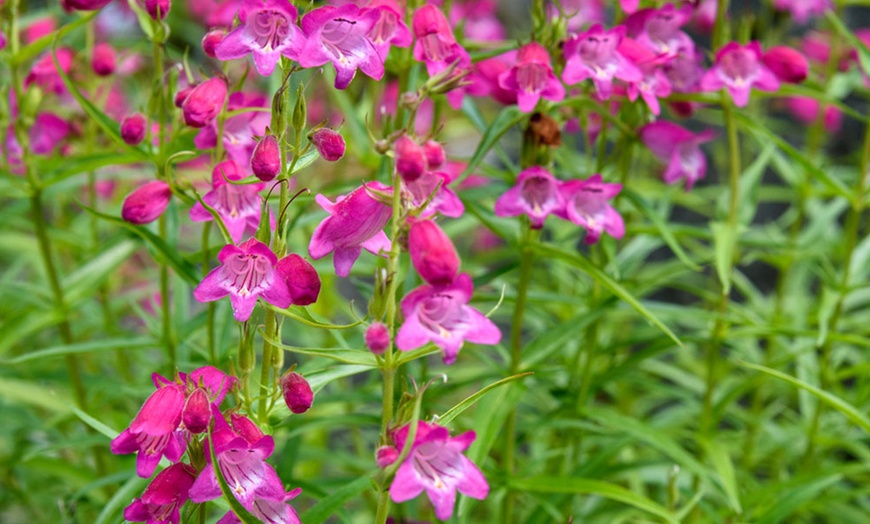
(436, 464)
(204, 102)
(341, 35)
(239, 130)
(330, 144)
(739, 68)
(390, 28)
(437, 47)
(377, 338)
(586, 204)
(239, 206)
(410, 158)
(536, 194)
(297, 393)
(301, 277)
(48, 132)
(247, 271)
(103, 59)
(432, 252)
(802, 10)
(133, 129)
(273, 511)
(579, 13)
(152, 434)
(84, 5)
(532, 78)
(354, 222)
(661, 32)
(44, 73)
(433, 186)
(146, 204)
(158, 9)
(629, 6)
(266, 158)
(594, 54)
(806, 109)
(654, 84)
(441, 315)
(268, 30)
(788, 64)
(163, 497)
(679, 148)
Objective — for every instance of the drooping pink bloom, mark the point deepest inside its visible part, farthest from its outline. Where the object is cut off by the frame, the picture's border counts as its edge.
(204, 102)
(594, 54)
(433, 187)
(536, 194)
(296, 392)
(788, 64)
(301, 277)
(532, 78)
(432, 252)
(355, 221)
(133, 129)
(268, 30)
(266, 159)
(45, 74)
(586, 204)
(239, 206)
(146, 204)
(377, 338)
(739, 68)
(436, 464)
(436, 45)
(164, 496)
(679, 148)
(247, 271)
(341, 35)
(654, 84)
(103, 59)
(239, 130)
(152, 434)
(330, 144)
(441, 315)
(806, 109)
(390, 28)
(660, 30)
(802, 10)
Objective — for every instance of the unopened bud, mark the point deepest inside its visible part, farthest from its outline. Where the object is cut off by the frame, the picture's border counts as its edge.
(300, 111)
(410, 159)
(84, 5)
(330, 144)
(266, 159)
(157, 9)
(434, 154)
(197, 411)
(377, 338)
(147, 203)
(182, 95)
(301, 277)
(386, 455)
(789, 65)
(133, 129)
(103, 59)
(297, 392)
(246, 428)
(204, 102)
(432, 252)
(211, 40)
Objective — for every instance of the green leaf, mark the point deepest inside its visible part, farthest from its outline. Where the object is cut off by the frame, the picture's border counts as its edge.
(84, 163)
(125, 344)
(359, 357)
(724, 241)
(40, 396)
(94, 423)
(130, 490)
(582, 263)
(319, 379)
(28, 52)
(328, 506)
(854, 42)
(725, 468)
(581, 486)
(300, 314)
(793, 498)
(661, 226)
(454, 412)
(509, 117)
(227, 492)
(84, 280)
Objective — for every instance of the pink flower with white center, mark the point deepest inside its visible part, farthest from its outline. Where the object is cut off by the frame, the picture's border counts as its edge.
(239, 206)
(594, 54)
(661, 32)
(679, 148)
(239, 130)
(355, 221)
(436, 464)
(390, 28)
(247, 271)
(152, 434)
(532, 78)
(163, 497)
(536, 194)
(432, 186)
(803, 10)
(655, 83)
(436, 45)
(45, 74)
(441, 315)
(586, 204)
(341, 35)
(268, 30)
(739, 68)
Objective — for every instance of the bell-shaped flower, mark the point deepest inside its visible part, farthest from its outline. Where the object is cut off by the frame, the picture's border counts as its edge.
(268, 30)
(536, 195)
(594, 54)
(802, 10)
(679, 148)
(271, 510)
(532, 78)
(204, 102)
(739, 68)
(661, 31)
(586, 204)
(390, 28)
(247, 271)
(432, 252)
(655, 83)
(239, 206)
(436, 464)
(301, 277)
(152, 434)
(436, 46)
(341, 35)
(355, 221)
(147, 203)
(441, 315)
(162, 499)
(432, 190)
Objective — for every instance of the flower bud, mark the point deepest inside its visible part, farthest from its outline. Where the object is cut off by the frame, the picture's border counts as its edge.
(147, 203)
(84, 5)
(301, 277)
(182, 95)
(246, 428)
(434, 154)
(377, 338)
(410, 159)
(103, 59)
(2, 41)
(329, 143)
(789, 65)
(211, 40)
(432, 252)
(197, 411)
(157, 8)
(297, 393)
(204, 102)
(133, 129)
(386, 455)
(266, 159)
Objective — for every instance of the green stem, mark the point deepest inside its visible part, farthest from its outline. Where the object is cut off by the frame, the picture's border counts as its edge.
(166, 306)
(210, 310)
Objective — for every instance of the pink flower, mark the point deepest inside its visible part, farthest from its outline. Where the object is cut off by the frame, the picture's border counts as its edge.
(436, 464)
(44, 73)
(679, 148)
(536, 194)
(377, 338)
(239, 130)
(84, 5)
(147, 203)
(47, 133)
(266, 159)
(271, 510)
(211, 40)
(806, 110)
(355, 221)
(661, 32)
(163, 497)
(341, 35)
(478, 19)
(441, 315)
(158, 9)
(432, 252)
(532, 78)
(247, 271)
(410, 158)
(330, 144)
(586, 204)
(436, 45)
(434, 187)
(802, 10)
(654, 84)
(629, 6)
(594, 54)
(239, 206)
(204, 102)
(301, 277)
(789, 65)
(268, 30)
(390, 28)
(739, 68)
(684, 71)
(296, 392)
(152, 434)
(133, 129)
(103, 59)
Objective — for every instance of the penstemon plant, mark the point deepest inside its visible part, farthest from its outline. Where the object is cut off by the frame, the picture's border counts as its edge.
(415, 261)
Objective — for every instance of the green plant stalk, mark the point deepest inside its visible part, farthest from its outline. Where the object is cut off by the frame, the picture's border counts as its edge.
(210, 309)
(166, 299)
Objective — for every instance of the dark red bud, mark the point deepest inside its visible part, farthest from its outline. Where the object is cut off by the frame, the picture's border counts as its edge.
(432, 252)
(147, 203)
(377, 338)
(789, 65)
(157, 8)
(103, 60)
(297, 393)
(330, 144)
(133, 129)
(301, 277)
